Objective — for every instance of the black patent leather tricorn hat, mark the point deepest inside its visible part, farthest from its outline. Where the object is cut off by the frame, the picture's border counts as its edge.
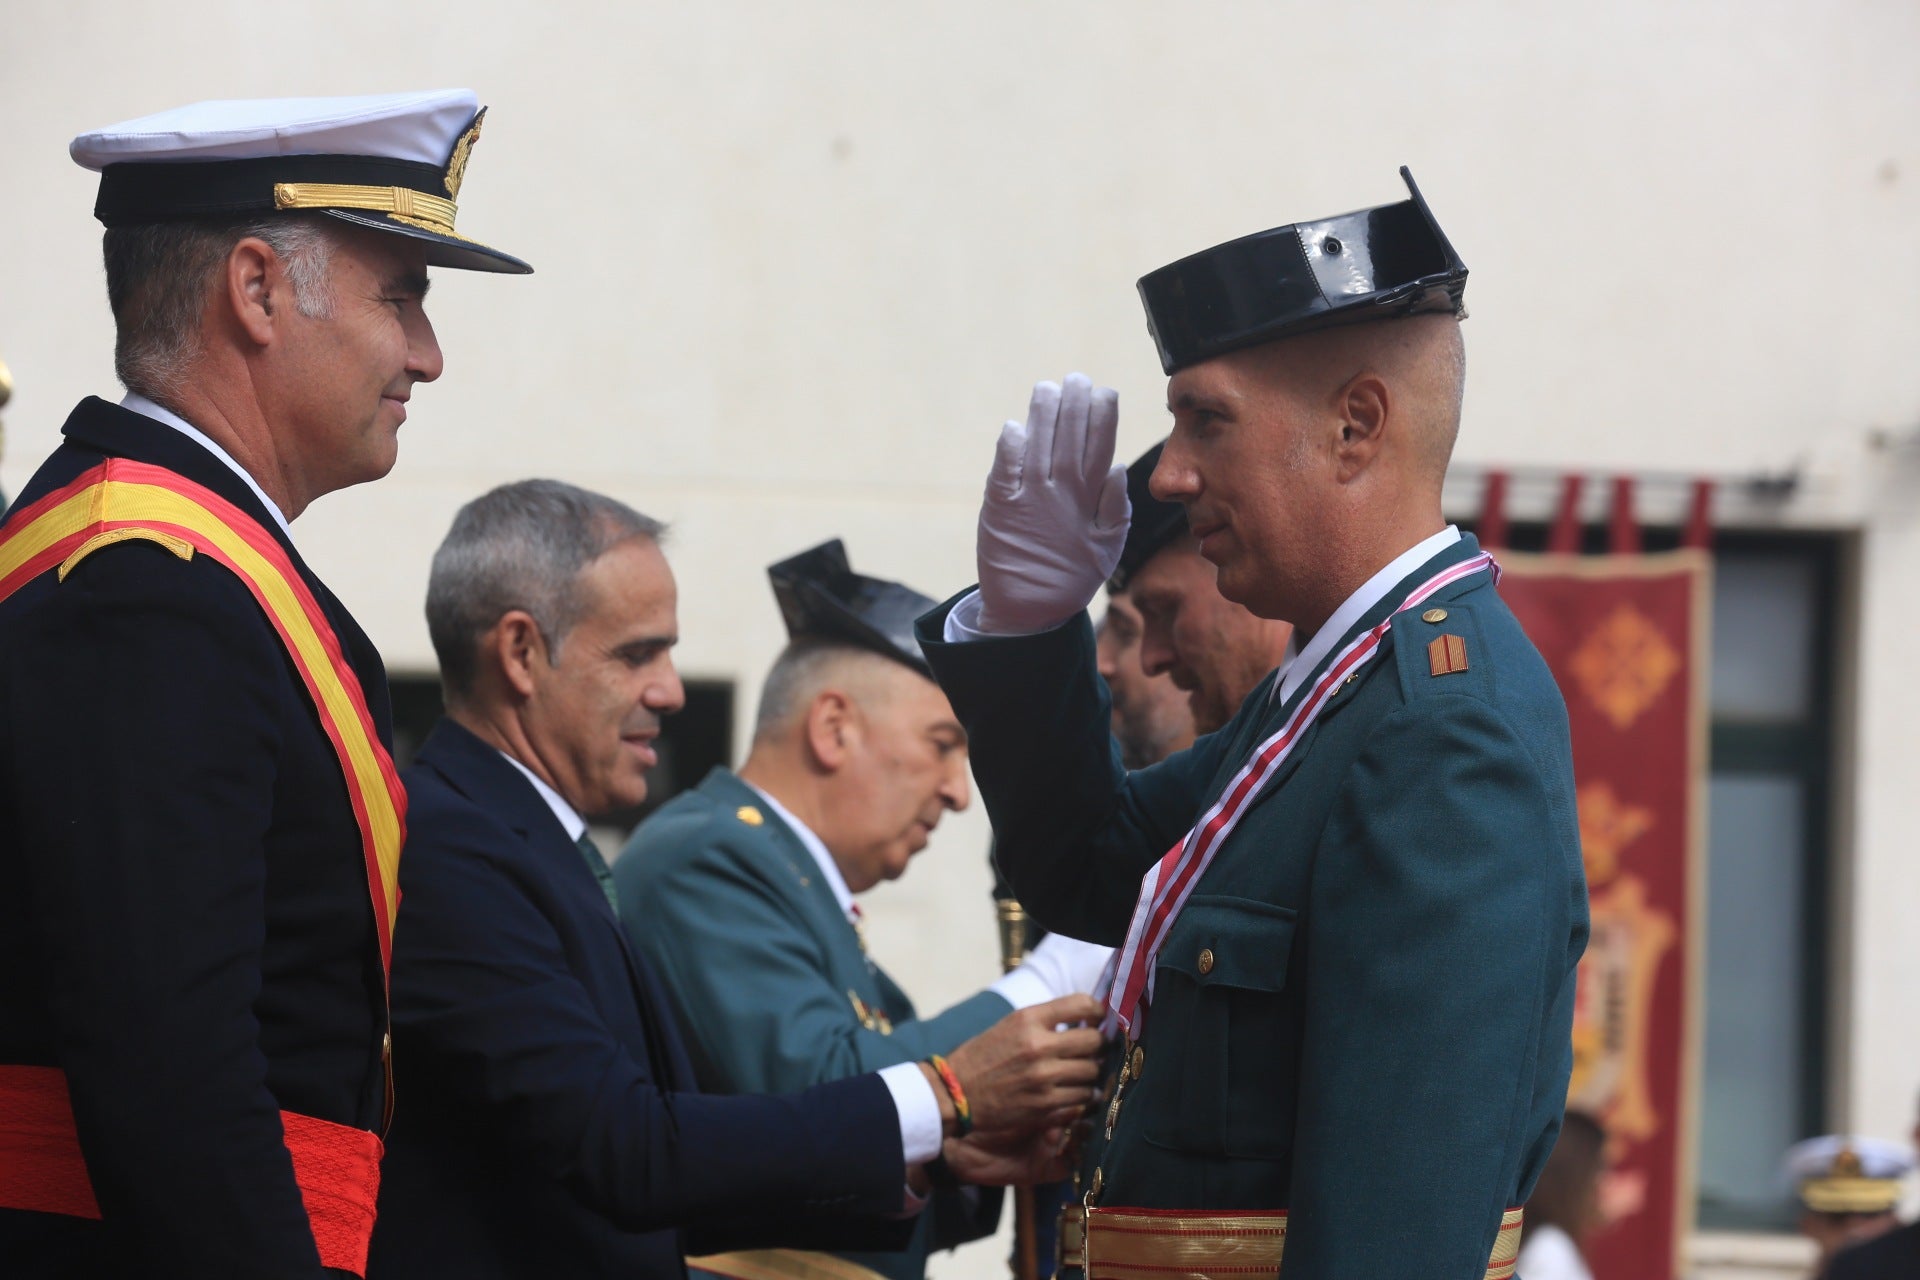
(1156, 524)
(822, 598)
(1367, 265)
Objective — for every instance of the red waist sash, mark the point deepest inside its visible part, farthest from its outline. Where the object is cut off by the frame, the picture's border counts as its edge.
(42, 1170)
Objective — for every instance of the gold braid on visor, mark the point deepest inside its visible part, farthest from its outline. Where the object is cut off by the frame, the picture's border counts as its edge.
(416, 207)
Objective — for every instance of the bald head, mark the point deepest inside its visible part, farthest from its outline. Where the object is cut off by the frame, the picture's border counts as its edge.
(807, 668)
(864, 750)
(1419, 361)
(1308, 463)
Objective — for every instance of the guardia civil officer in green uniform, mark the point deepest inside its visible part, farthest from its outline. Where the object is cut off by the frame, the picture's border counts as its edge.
(742, 891)
(1348, 994)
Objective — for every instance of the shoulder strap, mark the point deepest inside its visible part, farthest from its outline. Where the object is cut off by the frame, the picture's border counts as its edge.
(121, 499)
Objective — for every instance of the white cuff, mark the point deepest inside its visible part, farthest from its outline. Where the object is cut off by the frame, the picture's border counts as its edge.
(1059, 966)
(1022, 988)
(963, 622)
(921, 1132)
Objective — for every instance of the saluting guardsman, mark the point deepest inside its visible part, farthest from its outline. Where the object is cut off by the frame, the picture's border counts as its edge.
(202, 824)
(742, 891)
(1348, 921)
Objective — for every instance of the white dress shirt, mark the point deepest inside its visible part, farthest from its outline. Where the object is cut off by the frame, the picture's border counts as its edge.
(148, 409)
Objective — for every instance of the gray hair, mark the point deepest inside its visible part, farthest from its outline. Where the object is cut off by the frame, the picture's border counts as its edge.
(802, 670)
(159, 276)
(520, 546)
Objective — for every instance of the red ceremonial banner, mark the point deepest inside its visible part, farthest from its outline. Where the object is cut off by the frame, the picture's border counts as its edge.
(1626, 637)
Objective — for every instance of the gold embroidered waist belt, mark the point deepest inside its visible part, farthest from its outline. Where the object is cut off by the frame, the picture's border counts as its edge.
(780, 1264)
(1172, 1244)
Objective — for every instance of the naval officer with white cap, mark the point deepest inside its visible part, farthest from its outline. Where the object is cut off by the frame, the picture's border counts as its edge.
(1848, 1188)
(201, 819)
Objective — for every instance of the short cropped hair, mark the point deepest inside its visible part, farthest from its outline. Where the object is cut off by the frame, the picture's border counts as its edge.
(159, 276)
(803, 668)
(520, 546)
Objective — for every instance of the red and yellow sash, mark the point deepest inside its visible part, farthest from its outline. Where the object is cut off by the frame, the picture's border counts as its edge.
(120, 499)
(336, 1166)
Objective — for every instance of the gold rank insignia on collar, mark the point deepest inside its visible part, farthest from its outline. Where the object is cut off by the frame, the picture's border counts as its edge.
(870, 1018)
(749, 815)
(1447, 655)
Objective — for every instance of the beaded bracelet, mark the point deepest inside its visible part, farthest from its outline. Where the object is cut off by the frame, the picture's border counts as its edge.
(963, 1114)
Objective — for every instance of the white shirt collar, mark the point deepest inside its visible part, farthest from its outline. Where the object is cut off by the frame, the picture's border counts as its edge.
(575, 825)
(1296, 669)
(829, 870)
(148, 409)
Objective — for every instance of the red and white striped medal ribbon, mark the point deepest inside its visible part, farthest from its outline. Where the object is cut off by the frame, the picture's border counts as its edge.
(1165, 889)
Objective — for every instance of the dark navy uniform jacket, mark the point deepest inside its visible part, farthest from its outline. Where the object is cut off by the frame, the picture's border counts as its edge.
(185, 926)
(1894, 1256)
(1363, 1013)
(549, 1123)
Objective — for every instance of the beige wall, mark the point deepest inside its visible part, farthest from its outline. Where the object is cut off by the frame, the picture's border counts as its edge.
(796, 262)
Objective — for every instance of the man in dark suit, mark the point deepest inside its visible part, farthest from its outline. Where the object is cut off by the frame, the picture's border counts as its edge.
(1348, 922)
(200, 818)
(553, 1126)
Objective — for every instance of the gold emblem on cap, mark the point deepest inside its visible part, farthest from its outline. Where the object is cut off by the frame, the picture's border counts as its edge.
(749, 815)
(457, 162)
(1434, 615)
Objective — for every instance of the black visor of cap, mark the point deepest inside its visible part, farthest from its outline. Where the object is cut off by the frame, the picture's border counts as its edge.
(822, 598)
(1367, 265)
(137, 193)
(1155, 526)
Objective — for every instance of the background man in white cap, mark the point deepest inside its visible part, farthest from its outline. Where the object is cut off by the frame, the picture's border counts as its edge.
(202, 823)
(1894, 1255)
(1848, 1188)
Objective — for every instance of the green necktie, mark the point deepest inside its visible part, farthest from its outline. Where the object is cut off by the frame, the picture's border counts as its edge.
(601, 872)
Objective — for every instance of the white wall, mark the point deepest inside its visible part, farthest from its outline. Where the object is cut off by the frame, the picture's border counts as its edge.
(796, 262)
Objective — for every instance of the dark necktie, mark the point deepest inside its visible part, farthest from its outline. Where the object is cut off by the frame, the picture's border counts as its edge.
(601, 872)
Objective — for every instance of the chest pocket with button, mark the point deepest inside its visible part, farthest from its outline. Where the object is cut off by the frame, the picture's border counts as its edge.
(1219, 1033)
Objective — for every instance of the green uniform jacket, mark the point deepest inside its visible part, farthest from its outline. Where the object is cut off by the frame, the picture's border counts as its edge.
(764, 969)
(1379, 1040)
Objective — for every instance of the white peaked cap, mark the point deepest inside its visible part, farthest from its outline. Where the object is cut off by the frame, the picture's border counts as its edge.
(421, 127)
(391, 163)
(1841, 1173)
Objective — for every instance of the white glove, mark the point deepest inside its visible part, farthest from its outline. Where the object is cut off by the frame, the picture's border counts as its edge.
(1055, 513)
(1059, 966)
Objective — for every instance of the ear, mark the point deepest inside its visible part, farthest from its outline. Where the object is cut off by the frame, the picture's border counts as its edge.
(517, 649)
(831, 729)
(1362, 407)
(257, 292)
